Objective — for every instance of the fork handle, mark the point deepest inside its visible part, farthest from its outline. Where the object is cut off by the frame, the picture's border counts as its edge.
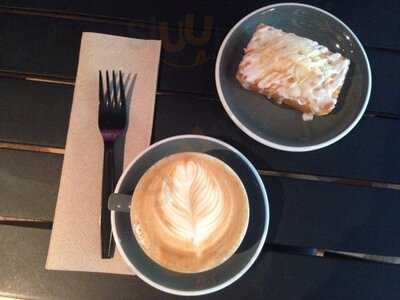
(107, 240)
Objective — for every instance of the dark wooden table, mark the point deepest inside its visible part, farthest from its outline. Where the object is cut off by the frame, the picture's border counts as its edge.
(345, 197)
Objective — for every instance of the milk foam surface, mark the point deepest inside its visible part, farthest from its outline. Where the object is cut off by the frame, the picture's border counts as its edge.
(190, 212)
(192, 203)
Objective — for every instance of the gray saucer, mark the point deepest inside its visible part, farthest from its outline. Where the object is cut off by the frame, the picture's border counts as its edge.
(280, 127)
(203, 282)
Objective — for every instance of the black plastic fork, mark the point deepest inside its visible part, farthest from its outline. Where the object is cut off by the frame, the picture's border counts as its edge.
(112, 123)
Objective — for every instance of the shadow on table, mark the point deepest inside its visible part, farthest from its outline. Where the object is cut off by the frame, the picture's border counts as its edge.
(119, 147)
(273, 186)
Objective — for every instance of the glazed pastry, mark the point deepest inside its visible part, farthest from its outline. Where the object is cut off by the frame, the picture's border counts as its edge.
(293, 70)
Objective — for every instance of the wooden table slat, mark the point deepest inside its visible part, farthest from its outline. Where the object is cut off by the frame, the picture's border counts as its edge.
(303, 213)
(385, 92)
(334, 216)
(29, 184)
(274, 276)
(45, 45)
(226, 13)
(34, 113)
(364, 153)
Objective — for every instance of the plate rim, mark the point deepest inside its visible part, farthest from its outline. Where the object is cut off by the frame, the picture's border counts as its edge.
(267, 142)
(246, 267)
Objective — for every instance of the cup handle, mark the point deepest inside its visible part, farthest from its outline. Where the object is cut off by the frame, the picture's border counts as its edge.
(119, 202)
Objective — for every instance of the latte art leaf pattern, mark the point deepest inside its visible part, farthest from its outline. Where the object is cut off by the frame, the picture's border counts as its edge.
(189, 212)
(192, 203)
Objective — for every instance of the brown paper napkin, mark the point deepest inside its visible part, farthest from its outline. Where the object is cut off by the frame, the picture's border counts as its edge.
(75, 239)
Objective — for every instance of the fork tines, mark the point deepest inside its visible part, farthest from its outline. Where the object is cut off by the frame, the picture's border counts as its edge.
(110, 96)
(112, 103)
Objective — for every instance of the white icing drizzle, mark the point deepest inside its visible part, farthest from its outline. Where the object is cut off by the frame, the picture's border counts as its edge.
(191, 202)
(287, 66)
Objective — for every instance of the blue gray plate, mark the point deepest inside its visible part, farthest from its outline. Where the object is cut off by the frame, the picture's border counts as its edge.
(216, 278)
(277, 126)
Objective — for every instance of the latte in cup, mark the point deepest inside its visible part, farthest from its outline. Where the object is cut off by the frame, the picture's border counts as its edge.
(189, 212)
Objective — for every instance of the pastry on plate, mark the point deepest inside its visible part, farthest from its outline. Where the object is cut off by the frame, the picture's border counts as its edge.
(293, 70)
